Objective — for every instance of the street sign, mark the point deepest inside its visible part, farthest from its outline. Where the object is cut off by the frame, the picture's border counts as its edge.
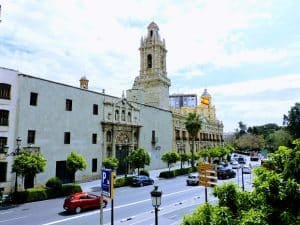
(207, 174)
(107, 183)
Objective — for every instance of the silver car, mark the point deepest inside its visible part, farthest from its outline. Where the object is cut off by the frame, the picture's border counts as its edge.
(192, 180)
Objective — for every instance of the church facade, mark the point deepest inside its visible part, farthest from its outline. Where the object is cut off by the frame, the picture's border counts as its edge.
(55, 119)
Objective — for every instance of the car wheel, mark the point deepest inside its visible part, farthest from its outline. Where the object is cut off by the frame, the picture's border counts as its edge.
(78, 210)
(152, 182)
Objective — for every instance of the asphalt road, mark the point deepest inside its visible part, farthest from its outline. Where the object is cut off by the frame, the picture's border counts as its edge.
(132, 206)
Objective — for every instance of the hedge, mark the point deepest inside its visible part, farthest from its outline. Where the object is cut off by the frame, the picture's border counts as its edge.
(177, 172)
(43, 193)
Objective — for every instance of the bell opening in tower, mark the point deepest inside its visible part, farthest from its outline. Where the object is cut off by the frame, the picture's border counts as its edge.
(149, 61)
(151, 33)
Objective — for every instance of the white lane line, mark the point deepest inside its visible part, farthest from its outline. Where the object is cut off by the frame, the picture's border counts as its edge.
(116, 207)
(16, 218)
(7, 212)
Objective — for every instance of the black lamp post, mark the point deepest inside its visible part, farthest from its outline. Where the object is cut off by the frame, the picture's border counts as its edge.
(243, 185)
(19, 140)
(156, 201)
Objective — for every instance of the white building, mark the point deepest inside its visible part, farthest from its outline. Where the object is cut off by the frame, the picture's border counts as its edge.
(54, 119)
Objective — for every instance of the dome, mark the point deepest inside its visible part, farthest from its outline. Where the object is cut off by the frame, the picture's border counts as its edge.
(83, 78)
(205, 94)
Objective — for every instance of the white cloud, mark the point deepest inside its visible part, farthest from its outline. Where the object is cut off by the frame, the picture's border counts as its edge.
(63, 40)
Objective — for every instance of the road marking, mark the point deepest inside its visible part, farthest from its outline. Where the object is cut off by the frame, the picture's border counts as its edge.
(16, 218)
(7, 212)
(116, 207)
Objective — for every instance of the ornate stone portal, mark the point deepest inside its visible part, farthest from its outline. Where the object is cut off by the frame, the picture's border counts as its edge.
(120, 130)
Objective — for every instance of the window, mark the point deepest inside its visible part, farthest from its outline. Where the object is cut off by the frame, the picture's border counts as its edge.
(94, 139)
(149, 61)
(129, 117)
(117, 115)
(4, 117)
(67, 138)
(95, 109)
(94, 165)
(33, 98)
(123, 115)
(3, 170)
(153, 137)
(30, 136)
(3, 143)
(68, 105)
(4, 91)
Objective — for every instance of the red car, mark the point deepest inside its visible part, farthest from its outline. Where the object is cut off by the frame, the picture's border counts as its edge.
(83, 200)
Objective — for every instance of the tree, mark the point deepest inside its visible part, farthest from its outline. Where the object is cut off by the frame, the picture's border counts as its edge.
(183, 158)
(170, 158)
(292, 121)
(279, 138)
(27, 163)
(75, 162)
(250, 142)
(242, 129)
(138, 158)
(110, 163)
(193, 125)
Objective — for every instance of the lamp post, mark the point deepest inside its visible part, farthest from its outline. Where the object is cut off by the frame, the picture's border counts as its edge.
(156, 201)
(243, 186)
(19, 140)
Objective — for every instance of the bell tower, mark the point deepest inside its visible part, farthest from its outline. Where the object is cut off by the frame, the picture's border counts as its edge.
(153, 73)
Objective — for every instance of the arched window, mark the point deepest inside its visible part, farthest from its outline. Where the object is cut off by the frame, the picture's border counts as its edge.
(129, 117)
(5, 91)
(117, 116)
(123, 115)
(135, 137)
(108, 136)
(149, 61)
(4, 114)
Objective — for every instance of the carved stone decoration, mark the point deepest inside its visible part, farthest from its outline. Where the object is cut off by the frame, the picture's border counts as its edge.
(122, 138)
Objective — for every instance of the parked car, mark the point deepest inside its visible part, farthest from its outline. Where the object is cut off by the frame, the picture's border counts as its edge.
(225, 173)
(235, 165)
(254, 158)
(80, 201)
(246, 169)
(141, 180)
(192, 180)
(241, 160)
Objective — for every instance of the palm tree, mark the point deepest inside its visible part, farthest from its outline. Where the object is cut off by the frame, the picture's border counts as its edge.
(193, 125)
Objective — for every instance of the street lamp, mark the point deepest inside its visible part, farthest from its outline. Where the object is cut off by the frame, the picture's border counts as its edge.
(243, 185)
(156, 201)
(19, 140)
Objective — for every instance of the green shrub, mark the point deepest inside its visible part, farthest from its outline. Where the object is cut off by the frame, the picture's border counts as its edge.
(31, 195)
(167, 174)
(55, 183)
(144, 172)
(182, 171)
(36, 194)
(129, 180)
(68, 189)
(53, 193)
(120, 182)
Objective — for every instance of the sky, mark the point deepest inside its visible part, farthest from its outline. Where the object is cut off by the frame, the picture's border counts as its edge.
(246, 53)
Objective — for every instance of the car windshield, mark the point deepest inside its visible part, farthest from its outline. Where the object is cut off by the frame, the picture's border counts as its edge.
(192, 177)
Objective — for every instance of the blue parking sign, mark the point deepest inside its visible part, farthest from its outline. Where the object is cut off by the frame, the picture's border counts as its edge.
(107, 183)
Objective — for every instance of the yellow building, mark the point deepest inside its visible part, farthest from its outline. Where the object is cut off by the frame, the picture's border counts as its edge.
(211, 132)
